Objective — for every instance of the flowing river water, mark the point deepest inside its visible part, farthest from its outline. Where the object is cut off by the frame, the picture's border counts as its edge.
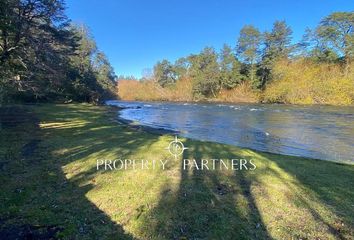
(321, 132)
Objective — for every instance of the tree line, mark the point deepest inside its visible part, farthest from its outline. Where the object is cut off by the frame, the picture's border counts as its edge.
(45, 57)
(254, 58)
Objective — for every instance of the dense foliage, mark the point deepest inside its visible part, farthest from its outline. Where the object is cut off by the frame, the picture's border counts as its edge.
(43, 57)
(264, 66)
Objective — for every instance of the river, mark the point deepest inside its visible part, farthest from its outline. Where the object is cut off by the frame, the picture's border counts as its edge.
(321, 132)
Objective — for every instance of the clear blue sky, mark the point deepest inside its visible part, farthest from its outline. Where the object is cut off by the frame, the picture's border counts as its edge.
(136, 34)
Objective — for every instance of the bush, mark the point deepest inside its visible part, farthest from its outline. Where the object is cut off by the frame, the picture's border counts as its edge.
(134, 90)
(242, 93)
(306, 82)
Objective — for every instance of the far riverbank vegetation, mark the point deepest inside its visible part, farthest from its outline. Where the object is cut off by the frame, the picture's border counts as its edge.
(261, 67)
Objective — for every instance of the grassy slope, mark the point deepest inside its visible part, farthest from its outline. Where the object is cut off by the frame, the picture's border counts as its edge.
(53, 182)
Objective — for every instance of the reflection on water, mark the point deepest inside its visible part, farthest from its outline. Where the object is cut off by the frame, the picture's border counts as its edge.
(323, 132)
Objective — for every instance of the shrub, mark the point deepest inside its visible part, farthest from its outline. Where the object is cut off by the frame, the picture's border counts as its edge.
(306, 82)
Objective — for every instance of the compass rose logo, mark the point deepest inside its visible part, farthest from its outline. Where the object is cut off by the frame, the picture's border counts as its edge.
(176, 147)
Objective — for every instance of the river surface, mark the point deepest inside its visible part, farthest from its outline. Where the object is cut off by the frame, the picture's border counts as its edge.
(321, 132)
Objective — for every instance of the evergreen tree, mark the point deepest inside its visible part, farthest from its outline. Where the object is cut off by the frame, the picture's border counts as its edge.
(164, 73)
(248, 48)
(277, 45)
(336, 32)
(106, 77)
(42, 57)
(229, 68)
(181, 67)
(34, 48)
(205, 73)
(313, 48)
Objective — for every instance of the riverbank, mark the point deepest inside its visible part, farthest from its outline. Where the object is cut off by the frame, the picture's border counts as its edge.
(52, 188)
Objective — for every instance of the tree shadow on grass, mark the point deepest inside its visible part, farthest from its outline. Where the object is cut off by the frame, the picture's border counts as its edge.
(230, 205)
(39, 201)
(214, 204)
(327, 182)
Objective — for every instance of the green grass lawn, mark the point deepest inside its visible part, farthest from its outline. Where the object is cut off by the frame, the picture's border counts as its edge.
(50, 186)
